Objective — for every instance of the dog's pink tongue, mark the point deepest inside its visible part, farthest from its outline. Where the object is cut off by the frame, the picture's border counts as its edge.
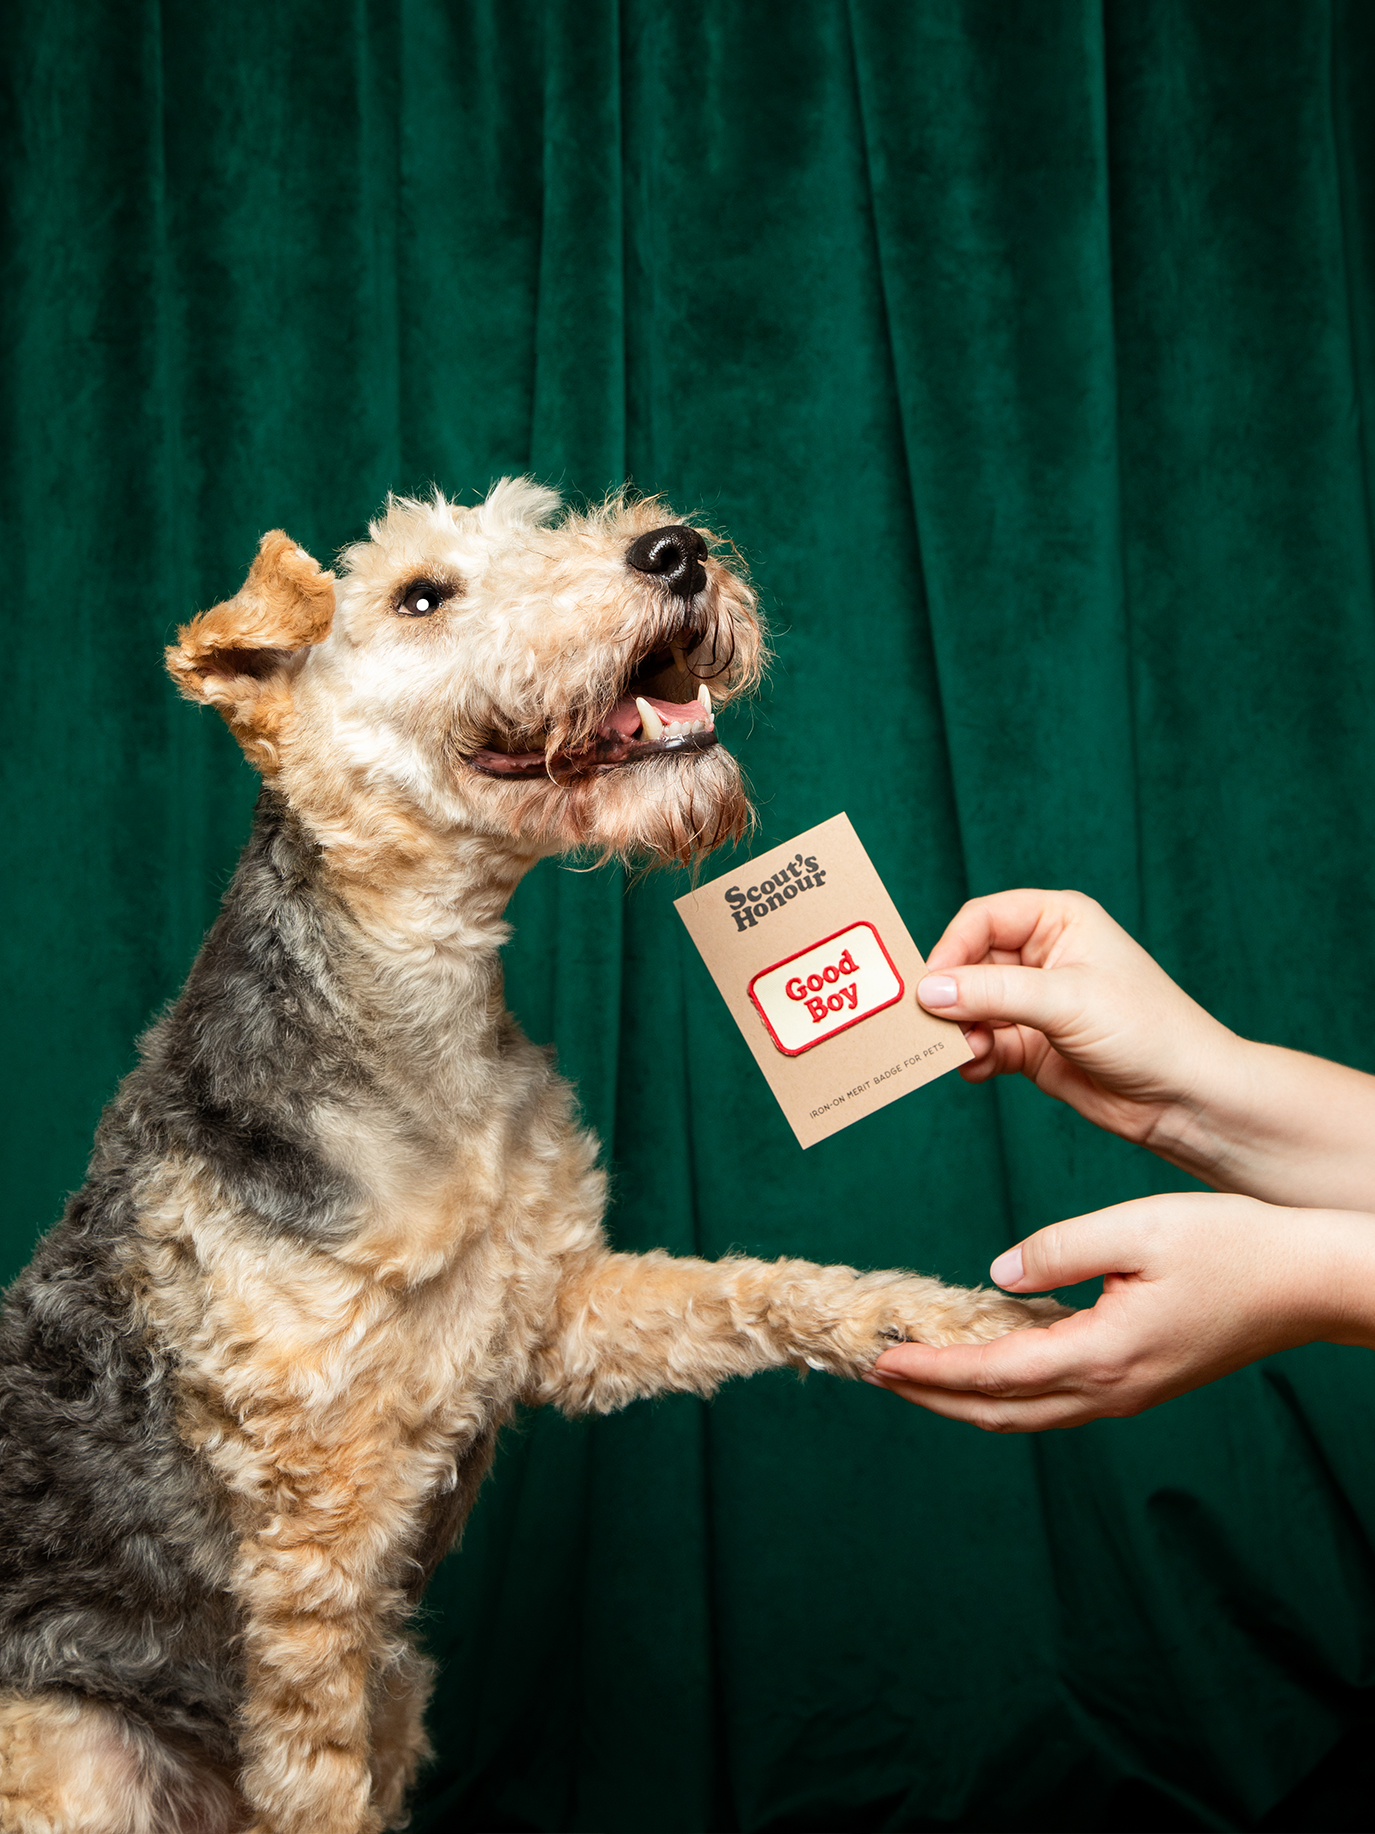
(624, 717)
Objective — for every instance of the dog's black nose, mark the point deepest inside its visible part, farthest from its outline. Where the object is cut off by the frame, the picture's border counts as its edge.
(673, 555)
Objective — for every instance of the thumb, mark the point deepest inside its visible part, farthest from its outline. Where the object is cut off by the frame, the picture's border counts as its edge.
(1081, 1248)
(1046, 998)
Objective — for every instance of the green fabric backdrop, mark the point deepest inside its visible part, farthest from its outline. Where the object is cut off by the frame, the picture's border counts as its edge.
(1026, 347)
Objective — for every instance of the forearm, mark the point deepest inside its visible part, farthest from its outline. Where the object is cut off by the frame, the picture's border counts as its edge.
(1277, 1125)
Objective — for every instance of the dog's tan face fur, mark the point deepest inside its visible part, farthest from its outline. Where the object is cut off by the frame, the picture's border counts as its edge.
(453, 634)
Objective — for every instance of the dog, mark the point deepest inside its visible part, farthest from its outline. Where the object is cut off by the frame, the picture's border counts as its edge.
(342, 1218)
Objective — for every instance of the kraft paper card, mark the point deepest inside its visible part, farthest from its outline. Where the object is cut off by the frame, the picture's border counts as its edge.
(821, 976)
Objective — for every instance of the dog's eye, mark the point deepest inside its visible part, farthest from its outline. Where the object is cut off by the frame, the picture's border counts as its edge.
(422, 598)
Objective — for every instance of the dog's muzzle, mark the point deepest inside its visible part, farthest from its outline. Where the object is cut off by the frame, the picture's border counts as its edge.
(644, 722)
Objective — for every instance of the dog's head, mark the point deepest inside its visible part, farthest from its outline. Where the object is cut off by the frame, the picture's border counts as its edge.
(549, 679)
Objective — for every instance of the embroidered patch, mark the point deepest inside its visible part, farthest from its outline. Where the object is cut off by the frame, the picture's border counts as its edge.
(809, 997)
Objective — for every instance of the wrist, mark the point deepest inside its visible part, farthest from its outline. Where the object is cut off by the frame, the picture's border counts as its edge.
(1275, 1124)
(1202, 1128)
(1287, 1276)
(1340, 1266)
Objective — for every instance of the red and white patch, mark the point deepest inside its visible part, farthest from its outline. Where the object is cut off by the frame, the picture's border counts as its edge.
(809, 997)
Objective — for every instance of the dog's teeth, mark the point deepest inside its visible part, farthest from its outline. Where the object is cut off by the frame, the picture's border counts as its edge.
(651, 726)
(704, 695)
(678, 656)
(699, 725)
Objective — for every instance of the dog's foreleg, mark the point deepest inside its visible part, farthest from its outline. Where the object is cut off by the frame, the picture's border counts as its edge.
(319, 1626)
(306, 1718)
(633, 1325)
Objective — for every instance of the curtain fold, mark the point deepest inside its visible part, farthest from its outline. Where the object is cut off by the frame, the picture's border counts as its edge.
(1026, 349)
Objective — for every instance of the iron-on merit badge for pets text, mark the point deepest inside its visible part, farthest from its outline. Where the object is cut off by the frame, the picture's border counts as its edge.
(821, 976)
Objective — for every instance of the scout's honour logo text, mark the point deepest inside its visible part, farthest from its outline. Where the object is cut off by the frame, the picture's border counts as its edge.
(748, 906)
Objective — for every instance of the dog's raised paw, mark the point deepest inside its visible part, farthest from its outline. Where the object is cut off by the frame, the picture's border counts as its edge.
(898, 1308)
(976, 1315)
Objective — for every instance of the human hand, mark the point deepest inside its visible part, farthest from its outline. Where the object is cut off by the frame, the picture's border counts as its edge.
(1046, 983)
(1196, 1285)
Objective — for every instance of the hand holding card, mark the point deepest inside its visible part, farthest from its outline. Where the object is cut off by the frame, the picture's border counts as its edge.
(820, 974)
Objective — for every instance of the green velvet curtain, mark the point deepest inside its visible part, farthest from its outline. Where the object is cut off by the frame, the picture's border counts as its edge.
(1026, 348)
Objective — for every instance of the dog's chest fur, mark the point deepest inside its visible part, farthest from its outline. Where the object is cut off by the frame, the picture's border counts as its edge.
(386, 1317)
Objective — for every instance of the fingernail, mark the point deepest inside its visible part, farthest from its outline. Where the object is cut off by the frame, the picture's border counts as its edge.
(1007, 1270)
(937, 990)
(873, 1381)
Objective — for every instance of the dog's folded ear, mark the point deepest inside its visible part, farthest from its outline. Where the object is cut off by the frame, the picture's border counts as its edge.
(240, 656)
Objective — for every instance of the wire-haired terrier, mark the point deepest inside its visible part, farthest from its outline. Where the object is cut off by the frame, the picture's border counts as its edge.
(343, 1217)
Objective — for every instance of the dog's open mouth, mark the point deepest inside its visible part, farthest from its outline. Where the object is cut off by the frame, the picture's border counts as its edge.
(641, 724)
